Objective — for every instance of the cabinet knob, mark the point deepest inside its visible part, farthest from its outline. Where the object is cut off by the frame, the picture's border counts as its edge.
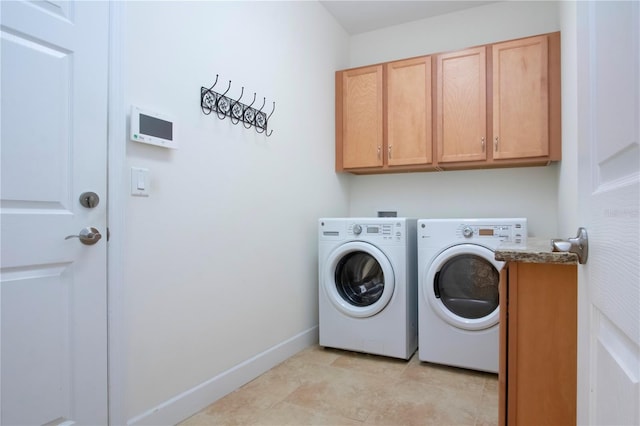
(389, 151)
(482, 141)
(495, 145)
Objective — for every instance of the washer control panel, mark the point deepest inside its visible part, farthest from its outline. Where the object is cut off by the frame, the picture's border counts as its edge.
(385, 231)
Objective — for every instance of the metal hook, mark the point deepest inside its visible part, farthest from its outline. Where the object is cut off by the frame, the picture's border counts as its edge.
(254, 100)
(274, 108)
(249, 119)
(214, 83)
(235, 114)
(265, 124)
(208, 93)
(207, 100)
(223, 105)
(264, 101)
(228, 88)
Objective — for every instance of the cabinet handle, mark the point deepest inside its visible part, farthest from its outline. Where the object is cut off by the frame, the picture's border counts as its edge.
(482, 140)
(389, 150)
(496, 144)
(379, 152)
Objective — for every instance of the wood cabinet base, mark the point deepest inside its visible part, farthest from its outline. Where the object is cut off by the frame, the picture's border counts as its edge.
(538, 344)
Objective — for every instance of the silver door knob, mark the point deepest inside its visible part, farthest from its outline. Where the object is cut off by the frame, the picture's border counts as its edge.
(88, 236)
(578, 245)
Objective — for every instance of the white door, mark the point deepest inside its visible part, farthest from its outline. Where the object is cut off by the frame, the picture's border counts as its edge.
(53, 313)
(609, 173)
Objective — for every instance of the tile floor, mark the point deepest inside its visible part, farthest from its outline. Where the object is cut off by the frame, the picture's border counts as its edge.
(322, 386)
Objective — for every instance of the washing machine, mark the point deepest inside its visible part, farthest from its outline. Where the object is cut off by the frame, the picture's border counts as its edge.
(368, 285)
(458, 302)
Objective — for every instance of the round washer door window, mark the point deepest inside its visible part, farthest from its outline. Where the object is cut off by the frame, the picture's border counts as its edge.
(461, 286)
(359, 279)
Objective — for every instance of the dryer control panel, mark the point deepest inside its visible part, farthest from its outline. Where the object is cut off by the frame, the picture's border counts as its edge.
(515, 233)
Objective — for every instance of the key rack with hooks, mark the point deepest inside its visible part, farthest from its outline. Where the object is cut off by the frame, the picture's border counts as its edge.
(225, 106)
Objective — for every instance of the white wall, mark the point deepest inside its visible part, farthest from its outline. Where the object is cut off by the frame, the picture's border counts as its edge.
(220, 261)
(568, 218)
(220, 264)
(528, 192)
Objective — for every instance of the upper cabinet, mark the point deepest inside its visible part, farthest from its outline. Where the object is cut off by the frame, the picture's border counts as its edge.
(496, 105)
(461, 106)
(408, 115)
(521, 98)
(359, 118)
(383, 117)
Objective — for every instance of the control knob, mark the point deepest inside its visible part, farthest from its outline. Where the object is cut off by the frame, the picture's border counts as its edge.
(357, 229)
(467, 231)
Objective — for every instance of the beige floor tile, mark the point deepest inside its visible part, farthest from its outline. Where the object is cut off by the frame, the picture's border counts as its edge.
(488, 409)
(324, 386)
(411, 402)
(307, 372)
(288, 414)
(390, 368)
(275, 385)
(261, 393)
(491, 383)
(318, 355)
(457, 378)
(281, 414)
(217, 415)
(349, 394)
(199, 419)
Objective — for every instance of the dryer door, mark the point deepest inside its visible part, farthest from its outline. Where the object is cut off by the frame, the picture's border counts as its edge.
(461, 286)
(359, 279)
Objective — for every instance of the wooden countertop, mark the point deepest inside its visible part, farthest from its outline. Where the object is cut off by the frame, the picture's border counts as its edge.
(537, 250)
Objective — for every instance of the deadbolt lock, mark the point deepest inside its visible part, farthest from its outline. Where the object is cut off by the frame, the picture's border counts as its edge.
(89, 199)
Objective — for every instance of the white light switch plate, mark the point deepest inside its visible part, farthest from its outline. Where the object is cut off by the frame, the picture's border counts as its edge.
(139, 182)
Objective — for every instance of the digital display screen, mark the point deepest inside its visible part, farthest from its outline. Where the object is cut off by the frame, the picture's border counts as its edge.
(487, 232)
(156, 127)
(373, 229)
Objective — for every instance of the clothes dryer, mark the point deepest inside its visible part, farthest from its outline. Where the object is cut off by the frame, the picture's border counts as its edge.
(368, 285)
(458, 302)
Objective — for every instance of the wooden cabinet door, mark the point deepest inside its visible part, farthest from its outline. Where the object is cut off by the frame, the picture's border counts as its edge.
(361, 120)
(461, 106)
(538, 344)
(409, 136)
(520, 98)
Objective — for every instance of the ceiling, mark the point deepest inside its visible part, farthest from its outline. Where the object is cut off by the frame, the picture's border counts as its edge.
(359, 16)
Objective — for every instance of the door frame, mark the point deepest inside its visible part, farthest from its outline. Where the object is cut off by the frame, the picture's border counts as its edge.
(116, 193)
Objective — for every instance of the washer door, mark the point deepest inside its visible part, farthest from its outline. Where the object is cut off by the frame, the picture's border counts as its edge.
(359, 279)
(461, 286)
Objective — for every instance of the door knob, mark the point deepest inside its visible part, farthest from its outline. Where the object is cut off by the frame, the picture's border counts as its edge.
(578, 245)
(88, 236)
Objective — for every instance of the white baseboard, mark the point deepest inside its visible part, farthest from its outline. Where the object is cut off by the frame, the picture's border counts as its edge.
(195, 399)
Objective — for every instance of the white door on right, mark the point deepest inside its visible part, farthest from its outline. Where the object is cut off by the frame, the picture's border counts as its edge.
(608, 55)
